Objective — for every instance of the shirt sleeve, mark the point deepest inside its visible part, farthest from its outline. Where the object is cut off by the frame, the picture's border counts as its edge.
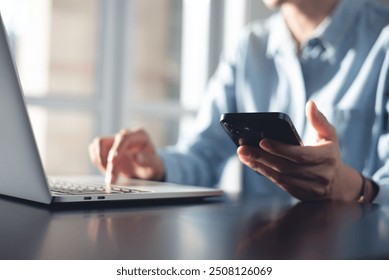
(381, 175)
(199, 158)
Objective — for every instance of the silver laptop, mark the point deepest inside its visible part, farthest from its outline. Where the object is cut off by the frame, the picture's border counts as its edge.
(21, 170)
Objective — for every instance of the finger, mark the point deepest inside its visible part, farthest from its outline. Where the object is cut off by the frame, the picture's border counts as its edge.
(124, 141)
(125, 165)
(294, 184)
(299, 154)
(261, 168)
(112, 159)
(275, 162)
(104, 147)
(110, 177)
(319, 122)
(312, 172)
(98, 152)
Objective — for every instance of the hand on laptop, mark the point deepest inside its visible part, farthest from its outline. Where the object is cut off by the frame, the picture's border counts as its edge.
(128, 153)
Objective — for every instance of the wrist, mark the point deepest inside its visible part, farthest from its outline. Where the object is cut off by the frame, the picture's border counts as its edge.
(363, 196)
(349, 184)
(369, 191)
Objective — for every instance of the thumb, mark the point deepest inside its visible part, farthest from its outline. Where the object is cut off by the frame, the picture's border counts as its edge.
(319, 122)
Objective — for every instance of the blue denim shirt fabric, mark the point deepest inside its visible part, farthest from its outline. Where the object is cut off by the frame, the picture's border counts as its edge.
(344, 68)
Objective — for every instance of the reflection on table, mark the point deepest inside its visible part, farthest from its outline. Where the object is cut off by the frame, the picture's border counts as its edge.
(225, 228)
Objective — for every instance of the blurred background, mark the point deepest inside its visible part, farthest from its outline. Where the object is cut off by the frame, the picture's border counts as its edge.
(91, 67)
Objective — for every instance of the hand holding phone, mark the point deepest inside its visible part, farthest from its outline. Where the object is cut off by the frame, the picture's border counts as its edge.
(250, 128)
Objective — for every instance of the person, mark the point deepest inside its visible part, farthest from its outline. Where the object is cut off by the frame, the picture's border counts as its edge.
(327, 54)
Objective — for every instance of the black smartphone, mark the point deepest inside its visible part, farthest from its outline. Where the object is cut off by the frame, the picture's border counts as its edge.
(250, 128)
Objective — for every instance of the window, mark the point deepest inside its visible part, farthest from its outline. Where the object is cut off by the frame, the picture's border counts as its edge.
(91, 67)
(54, 44)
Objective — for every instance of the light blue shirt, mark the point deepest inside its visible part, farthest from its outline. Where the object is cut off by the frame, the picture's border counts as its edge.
(344, 68)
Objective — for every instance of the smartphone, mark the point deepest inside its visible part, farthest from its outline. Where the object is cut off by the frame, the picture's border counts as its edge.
(250, 128)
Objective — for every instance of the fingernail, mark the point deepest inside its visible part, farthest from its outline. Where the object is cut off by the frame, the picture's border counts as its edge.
(265, 144)
(242, 151)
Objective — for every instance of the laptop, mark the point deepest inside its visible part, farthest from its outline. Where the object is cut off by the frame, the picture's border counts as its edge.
(21, 170)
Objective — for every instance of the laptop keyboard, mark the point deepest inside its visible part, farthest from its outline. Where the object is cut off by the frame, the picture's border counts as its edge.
(60, 187)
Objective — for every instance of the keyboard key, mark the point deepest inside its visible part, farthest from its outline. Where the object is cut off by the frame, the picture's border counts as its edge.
(82, 189)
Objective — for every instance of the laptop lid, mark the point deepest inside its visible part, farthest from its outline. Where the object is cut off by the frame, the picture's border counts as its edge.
(21, 171)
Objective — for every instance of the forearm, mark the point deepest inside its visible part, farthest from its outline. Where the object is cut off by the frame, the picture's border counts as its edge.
(187, 168)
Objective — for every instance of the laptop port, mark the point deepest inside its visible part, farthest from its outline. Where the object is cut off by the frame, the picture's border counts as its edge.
(101, 197)
(87, 197)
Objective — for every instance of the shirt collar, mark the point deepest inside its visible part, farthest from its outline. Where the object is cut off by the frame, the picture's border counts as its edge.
(280, 38)
(330, 32)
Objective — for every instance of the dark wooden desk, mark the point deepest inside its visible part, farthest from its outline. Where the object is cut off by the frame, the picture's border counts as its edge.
(227, 228)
